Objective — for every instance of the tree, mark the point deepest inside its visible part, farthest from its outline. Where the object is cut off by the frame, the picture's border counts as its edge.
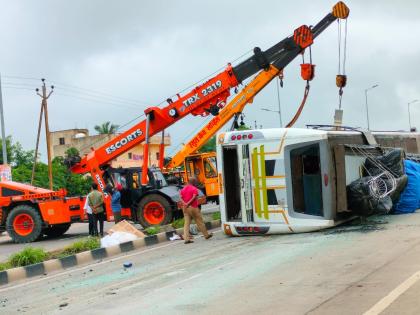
(22, 162)
(71, 152)
(106, 128)
(243, 127)
(210, 145)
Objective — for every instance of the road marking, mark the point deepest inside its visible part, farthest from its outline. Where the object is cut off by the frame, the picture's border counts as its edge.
(393, 295)
(112, 259)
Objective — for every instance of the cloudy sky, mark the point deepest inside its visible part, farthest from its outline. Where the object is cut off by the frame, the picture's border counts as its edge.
(109, 60)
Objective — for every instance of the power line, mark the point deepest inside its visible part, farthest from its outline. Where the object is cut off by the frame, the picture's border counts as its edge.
(86, 90)
(98, 101)
(98, 93)
(17, 88)
(92, 98)
(21, 78)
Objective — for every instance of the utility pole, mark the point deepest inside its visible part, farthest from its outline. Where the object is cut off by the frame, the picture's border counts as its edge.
(44, 108)
(3, 136)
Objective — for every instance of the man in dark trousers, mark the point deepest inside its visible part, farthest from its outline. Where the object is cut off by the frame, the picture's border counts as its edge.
(96, 203)
(189, 195)
(116, 202)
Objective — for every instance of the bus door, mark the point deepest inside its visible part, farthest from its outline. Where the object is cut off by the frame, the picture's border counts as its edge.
(246, 184)
(268, 182)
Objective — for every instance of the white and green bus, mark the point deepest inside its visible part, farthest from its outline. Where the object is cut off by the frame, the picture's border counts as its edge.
(292, 180)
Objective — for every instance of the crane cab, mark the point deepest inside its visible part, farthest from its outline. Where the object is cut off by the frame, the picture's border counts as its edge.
(153, 204)
(204, 167)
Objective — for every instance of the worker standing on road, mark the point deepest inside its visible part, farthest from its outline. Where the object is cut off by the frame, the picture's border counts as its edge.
(91, 220)
(189, 199)
(116, 202)
(96, 202)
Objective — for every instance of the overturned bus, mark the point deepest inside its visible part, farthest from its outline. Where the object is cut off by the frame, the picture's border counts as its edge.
(292, 180)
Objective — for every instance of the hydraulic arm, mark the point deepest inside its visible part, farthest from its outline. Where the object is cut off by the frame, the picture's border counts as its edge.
(289, 52)
(207, 98)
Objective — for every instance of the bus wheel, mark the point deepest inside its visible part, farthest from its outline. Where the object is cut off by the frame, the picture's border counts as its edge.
(24, 224)
(56, 230)
(154, 209)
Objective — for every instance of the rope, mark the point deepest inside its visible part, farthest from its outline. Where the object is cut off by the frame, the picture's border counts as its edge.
(299, 111)
(345, 48)
(339, 45)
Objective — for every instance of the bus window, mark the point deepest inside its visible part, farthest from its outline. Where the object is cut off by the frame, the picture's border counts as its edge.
(306, 180)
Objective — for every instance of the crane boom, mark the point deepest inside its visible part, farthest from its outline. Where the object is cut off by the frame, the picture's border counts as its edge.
(204, 99)
(236, 105)
(284, 56)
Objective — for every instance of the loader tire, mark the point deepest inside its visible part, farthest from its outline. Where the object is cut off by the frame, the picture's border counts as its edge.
(24, 224)
(56, 230)
(154, 209)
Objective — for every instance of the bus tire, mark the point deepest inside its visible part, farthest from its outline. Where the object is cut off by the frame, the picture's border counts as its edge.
(24, 224)
(154, 209)
(56, 230)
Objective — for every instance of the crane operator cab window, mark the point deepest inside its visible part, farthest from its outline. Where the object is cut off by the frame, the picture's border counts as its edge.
(125, 193)
(136, 181)
(159, 179)
(210, 168)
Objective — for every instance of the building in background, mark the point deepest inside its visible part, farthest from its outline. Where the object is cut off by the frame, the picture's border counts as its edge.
(62, 140)
(5, 172)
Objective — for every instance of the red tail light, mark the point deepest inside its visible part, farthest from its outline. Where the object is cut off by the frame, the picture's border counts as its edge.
(233, 137)
(250, 136)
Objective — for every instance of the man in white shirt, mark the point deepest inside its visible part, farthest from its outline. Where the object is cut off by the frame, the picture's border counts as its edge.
(88, 210)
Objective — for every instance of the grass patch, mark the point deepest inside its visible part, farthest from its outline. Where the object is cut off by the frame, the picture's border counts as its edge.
(85, 244)
(28, 256)
(216, 216)
(34, 255)
(152, 230)
(179, 223)
(5, 265)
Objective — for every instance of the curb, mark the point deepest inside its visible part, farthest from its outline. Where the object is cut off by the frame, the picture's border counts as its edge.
(19, 273)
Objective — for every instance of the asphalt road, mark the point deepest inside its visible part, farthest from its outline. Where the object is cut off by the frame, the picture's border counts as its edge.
(347, 270)
(76, 231)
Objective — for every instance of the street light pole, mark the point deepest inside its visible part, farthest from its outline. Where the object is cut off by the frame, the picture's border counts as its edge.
(278, 98)
(367, 108)
(409, 116)
(274, 111)
(3, 134)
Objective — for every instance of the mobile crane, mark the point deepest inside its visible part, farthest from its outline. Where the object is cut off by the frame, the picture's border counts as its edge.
(203, 165)
(28, 212)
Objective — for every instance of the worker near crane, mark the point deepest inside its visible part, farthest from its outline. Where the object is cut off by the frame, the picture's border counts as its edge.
(91, 220)
(189, 199)
(96, 202)
(116, 202)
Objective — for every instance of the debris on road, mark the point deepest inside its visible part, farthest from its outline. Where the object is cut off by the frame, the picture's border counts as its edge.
(127, 227)
(175, 237)
(117, 238)
(128, 264)
(120, 233)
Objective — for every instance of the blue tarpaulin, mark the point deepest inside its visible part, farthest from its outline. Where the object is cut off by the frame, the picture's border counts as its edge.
(410, 197)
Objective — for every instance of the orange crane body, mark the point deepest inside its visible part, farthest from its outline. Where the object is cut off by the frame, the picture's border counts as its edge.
(28, 212)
